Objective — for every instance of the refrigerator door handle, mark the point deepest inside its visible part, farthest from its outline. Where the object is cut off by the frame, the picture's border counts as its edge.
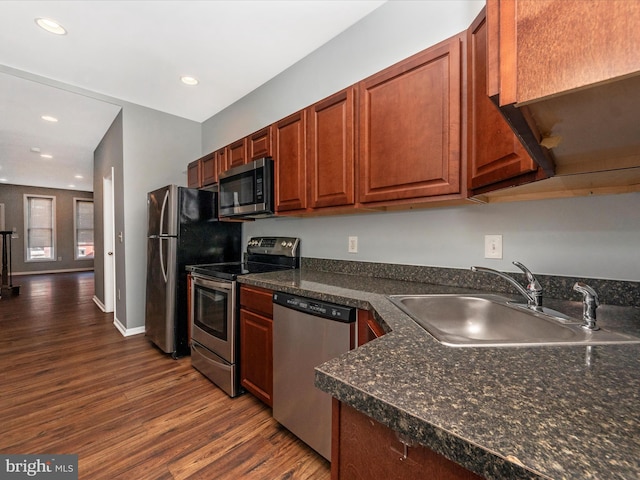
(163, 269)
(162, 211)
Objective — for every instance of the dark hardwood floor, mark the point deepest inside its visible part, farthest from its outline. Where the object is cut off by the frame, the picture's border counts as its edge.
(72, 384)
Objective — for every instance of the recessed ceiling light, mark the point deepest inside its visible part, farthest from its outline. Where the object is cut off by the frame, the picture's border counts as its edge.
(78, 176)
(51, 26)
(46, 155)
(49, 118)
(3, 180)
(71, 185)
(187, 80)
(35, 149)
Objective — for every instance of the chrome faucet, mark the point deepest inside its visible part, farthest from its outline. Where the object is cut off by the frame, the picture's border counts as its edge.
(533, 291)
(590, 302)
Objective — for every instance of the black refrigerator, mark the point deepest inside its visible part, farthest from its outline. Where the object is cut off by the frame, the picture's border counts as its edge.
(183, 229)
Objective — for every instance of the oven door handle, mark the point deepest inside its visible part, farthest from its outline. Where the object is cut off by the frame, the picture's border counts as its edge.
(211, 283)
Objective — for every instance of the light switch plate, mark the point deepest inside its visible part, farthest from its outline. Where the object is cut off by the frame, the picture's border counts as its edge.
(353, 245)
(493, 246)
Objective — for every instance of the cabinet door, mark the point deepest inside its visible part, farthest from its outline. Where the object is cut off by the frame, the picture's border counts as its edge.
(409, 127)
(494, 152)
(260, 144)
(548, 47)
(290, 161)
(237, 153)
(368, 328)
(194, 175)
(209, 169)
(256, 355)
(368, 450)
(221, 160)
(331, 150)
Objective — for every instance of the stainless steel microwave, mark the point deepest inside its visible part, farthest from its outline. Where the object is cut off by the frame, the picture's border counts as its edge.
(247, 190)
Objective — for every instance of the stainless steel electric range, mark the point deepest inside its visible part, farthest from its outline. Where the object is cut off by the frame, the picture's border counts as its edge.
(214, 314)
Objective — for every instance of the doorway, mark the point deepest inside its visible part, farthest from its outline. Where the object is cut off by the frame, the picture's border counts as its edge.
(109, 242)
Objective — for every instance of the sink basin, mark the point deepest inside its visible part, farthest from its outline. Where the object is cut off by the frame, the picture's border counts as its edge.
(493, 321)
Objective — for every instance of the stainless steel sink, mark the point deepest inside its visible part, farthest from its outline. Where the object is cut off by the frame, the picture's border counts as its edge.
(492, 320)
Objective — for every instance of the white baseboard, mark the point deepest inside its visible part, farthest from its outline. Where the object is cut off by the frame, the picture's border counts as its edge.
(127, 332)
(100, 305)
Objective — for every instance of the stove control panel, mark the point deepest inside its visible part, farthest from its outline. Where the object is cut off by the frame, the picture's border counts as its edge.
(284, 246)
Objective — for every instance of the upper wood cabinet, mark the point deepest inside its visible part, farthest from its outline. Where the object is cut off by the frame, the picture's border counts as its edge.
(209, 169)
(259, 143)
(290, 162)
(548, 47)
(410, 127)
(494, 152)
(194, 175)
(331, 150)
(221, 160)
(237, 153)
(566, 75)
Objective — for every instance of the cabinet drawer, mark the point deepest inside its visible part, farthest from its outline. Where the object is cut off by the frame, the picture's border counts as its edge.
(257, 299)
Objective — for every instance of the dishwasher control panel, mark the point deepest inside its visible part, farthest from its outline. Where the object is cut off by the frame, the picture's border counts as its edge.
(328, 310)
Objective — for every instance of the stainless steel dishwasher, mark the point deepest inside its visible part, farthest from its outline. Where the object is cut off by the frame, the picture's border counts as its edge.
(307, 333)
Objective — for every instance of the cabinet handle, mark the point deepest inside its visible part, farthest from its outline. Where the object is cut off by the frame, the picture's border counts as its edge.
(406, 443)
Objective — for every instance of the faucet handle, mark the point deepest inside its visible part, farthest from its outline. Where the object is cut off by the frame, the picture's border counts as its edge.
(590, 302)
(587, 292)
(532, 283)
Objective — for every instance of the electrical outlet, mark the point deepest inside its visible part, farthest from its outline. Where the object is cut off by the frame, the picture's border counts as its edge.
(493, 246)
(353, 244)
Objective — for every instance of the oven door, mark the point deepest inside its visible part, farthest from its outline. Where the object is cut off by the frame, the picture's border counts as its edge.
(213, 315)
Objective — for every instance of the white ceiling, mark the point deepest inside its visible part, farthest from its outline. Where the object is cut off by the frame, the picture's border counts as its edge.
(136, 51)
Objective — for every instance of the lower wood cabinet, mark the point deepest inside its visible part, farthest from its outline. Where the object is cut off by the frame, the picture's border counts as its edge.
(368, 328)
(256, 342)
(364, 449)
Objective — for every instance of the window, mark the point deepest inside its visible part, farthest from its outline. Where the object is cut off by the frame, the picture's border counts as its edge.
(83, 227)
(40, 221)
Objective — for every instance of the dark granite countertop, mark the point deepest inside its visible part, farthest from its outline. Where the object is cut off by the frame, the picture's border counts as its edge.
(505, 413)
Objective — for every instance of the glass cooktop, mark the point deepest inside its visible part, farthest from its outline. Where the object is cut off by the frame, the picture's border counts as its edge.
(229, 271)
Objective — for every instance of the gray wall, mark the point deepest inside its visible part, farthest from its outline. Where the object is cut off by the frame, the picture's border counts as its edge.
(108, 156)
(13, 198)
(592, 236)
(148, 149)
(156, 150)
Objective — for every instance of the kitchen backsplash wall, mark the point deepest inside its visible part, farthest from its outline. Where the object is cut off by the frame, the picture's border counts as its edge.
(592, 237)
(610, 292)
